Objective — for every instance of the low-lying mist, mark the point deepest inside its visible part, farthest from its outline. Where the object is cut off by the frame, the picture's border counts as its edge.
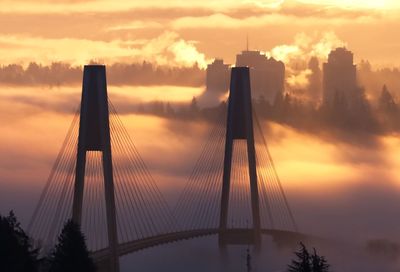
(344, 191)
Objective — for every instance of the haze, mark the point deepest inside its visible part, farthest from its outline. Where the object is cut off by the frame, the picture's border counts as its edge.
(341, 184)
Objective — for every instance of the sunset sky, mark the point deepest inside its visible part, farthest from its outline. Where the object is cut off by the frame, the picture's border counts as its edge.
(180, 33)
(340, 183)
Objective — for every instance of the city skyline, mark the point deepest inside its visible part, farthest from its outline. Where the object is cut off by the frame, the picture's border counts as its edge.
(293, 76)
(182, 34)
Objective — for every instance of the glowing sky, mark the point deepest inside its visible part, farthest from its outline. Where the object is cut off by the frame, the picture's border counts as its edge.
(102, 5)
(324, 178)
(178, 32)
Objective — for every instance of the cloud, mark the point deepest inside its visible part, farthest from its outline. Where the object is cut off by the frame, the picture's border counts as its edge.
(328, 42)
(221, 20)
(44, 50)
(135, 25)
(305, 46)
(285, 52)
(165, 49)
(63, 6)
(360, 4)
(124, 26)
(297, 55)
(265, 3)
(299, 80)
(170, 49)
(267, 19)
(187, 54)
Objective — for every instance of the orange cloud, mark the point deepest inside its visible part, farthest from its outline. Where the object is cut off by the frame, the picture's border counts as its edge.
(135, 25)
(68, 6)
(306, 46)
(297, 55)
(361, 4)
(166, 49)
(109, 29)
(299, 79)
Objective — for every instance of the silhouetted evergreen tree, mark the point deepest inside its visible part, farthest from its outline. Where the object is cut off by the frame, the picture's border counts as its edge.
(194, 107)
(141, 108)
(361, 112)
(319, 263)
(169, 110)
(386, 101)
(308, 263)
(303, 261)
(388, 110)
(158, 108)
(71, 253)
(16, 251)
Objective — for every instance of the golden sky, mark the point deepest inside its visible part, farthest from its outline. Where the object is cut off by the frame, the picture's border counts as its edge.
(182, 32)
(178, 32)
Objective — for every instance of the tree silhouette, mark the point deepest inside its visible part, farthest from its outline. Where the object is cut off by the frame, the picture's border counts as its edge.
(71, 253)
(387, 102)
(319, 263)
(303, 261)
(169, 110)
(16, 251)
(194, 107)
(308, 263)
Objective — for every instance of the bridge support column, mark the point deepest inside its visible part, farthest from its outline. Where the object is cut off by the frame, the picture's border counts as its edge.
(94, 135)
(240, 126)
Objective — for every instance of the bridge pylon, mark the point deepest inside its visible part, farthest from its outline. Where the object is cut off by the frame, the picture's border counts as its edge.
(94, 135)
(240, 127)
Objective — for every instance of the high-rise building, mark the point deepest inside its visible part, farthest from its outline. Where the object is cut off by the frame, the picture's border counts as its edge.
(340, 76)
(218, 76)
(315, 80)
(267, 75)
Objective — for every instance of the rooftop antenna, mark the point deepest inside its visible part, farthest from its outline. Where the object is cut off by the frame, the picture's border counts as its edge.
(247, 42)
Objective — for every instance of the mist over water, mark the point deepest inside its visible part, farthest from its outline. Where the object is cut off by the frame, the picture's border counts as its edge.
(342, 188)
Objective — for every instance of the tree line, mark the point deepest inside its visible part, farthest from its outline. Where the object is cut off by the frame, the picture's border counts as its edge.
(60, 73)
(18, 254)
(355, 114)
(344, 112)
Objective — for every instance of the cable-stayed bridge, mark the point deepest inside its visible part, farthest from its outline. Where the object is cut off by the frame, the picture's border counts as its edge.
(100, 181)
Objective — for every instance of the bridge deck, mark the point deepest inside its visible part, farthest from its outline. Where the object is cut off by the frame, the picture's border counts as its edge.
(279, 236)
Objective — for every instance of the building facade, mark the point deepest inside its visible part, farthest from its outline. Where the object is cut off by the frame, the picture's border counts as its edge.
(218, 77)
(339, 76)
(267, 75)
